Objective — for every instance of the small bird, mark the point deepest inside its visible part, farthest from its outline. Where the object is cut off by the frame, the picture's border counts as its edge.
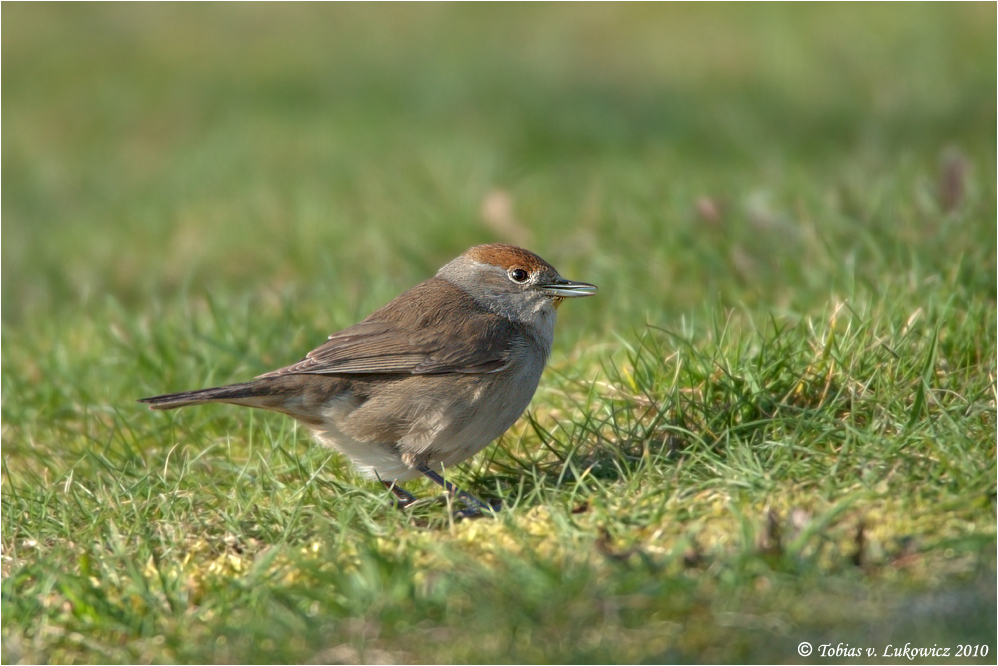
(428, 380)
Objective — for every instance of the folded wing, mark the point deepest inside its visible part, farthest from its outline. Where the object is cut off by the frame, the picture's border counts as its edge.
(411, 335)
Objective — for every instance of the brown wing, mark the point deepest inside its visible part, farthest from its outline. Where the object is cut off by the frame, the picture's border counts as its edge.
(418, 333)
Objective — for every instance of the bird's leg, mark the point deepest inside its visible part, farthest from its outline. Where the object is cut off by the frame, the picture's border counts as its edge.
(473, 504)
(404, 497)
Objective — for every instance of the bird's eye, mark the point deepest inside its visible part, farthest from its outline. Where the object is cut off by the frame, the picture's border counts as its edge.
(519, 275)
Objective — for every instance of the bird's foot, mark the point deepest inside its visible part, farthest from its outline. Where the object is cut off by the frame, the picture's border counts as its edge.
(473, 506)
(403, 498)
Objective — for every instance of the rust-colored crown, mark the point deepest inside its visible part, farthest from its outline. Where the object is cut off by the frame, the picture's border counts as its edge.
(507, 256)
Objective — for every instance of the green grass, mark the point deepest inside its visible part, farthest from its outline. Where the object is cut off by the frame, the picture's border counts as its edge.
(775, 423)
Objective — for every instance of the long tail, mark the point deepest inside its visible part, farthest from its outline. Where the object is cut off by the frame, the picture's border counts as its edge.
(250, 394)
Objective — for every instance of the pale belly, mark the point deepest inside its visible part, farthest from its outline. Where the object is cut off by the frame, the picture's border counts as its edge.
(392, 434)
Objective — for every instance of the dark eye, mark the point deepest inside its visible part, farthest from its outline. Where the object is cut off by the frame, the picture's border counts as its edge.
(519, 275)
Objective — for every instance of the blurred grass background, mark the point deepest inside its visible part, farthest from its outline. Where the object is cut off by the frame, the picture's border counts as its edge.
(193, 194)
(153, 148)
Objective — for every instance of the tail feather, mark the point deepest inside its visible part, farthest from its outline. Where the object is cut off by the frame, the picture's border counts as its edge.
(240, 394)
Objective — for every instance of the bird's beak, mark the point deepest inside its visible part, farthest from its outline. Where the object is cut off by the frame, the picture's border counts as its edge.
(562, 288)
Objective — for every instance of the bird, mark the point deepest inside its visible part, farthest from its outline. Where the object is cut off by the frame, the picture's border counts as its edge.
(428, 380)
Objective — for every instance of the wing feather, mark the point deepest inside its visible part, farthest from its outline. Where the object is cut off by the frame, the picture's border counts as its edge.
(417, 333)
